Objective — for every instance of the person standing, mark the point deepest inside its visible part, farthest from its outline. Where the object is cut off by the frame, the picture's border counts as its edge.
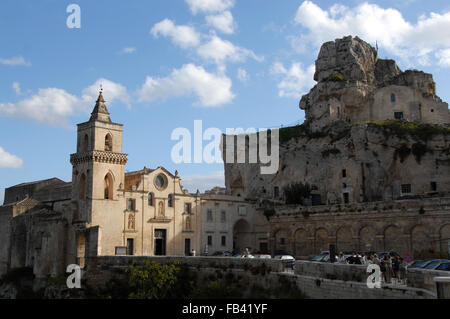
(396, 268)
(383, 269)
(388, 263)
(341, 258)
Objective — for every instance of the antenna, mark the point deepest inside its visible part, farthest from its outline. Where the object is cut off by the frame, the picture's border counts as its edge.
(101, 87)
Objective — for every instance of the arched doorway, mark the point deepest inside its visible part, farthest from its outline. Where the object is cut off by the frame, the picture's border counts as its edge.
(420, 241)
(241, 236)
(367, 236)
(301, 243)
(344, 239)
(321, 241)
(394, 241)
(81, 250)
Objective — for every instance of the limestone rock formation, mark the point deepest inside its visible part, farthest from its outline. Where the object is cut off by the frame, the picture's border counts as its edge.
(372, 132)
(355, 86)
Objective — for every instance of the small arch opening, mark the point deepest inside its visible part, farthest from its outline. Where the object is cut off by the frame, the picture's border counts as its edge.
(108, 143)
(108, 186)
(85, 143)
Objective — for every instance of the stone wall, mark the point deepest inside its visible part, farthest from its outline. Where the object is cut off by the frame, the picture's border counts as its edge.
(415, 226)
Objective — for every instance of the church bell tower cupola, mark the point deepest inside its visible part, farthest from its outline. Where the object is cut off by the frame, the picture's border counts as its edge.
(98, 164)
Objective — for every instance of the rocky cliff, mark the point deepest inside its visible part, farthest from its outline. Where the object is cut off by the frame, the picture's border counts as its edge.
(372, 132)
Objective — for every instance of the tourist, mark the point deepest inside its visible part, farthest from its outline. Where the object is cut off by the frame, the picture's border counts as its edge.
(341, 258)
(388, 264)
(396, 268)
(193, 252)
(383, 269)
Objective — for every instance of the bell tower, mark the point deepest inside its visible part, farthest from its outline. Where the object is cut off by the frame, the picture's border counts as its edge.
(98, 167)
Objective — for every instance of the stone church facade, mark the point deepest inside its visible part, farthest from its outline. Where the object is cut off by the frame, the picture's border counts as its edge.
(104, 211)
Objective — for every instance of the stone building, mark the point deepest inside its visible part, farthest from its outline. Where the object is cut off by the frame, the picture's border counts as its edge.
(372, 134)
(104, 211)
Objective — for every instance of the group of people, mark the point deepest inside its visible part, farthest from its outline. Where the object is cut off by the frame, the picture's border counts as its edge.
(393, 268)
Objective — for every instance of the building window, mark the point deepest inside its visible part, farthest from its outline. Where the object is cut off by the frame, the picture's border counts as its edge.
(131, 205)
(108, 143)
(433, 186)
(344, 173)
(346, 198)
(85, 143)
(209, 216)
(108, 186)
(276, 192)
(209, 240)
(282, 241)
(188, 208)
(223, 216)
(406, 189)
(393, 98)
(150, 199)
(224, 240)
(170, 200)
(398, 115)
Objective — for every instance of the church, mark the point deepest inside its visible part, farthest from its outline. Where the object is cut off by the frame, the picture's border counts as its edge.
(105, 211)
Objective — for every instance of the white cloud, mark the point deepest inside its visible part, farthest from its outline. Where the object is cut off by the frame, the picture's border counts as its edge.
(295, 81)
(183, 36)
(219, 51)
(209, 6)
(375, 24)
(15, 61)
(9, 161)
(444, 57)
(54, 106)
(112, 91)
(50, 106)
(203, 182)
(242, 75)
(16, 87)
(223, 22)
(211, 89)
(128, 50)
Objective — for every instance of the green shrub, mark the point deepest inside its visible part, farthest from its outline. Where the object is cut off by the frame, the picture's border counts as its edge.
(296, 193)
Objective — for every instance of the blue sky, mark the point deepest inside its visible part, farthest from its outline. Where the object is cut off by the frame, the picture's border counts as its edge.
(164, 64)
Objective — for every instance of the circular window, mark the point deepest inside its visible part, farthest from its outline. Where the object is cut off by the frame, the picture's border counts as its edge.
(161, 181)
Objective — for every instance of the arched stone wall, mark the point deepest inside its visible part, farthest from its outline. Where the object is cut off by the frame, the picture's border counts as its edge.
(394, 240)
(344, 239)
(282, 240)
(302, 245)
(420, 240)
(444, 239)
(367, 239)
(321, 240)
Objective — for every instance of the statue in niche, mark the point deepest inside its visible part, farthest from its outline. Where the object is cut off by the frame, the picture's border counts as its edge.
(188, 222)
(161, 209)
(131, 221)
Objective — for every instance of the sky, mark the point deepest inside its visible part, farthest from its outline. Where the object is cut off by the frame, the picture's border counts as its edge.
(165, 64)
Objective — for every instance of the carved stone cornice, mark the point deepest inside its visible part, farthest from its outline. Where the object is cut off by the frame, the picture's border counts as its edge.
(100, 157)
